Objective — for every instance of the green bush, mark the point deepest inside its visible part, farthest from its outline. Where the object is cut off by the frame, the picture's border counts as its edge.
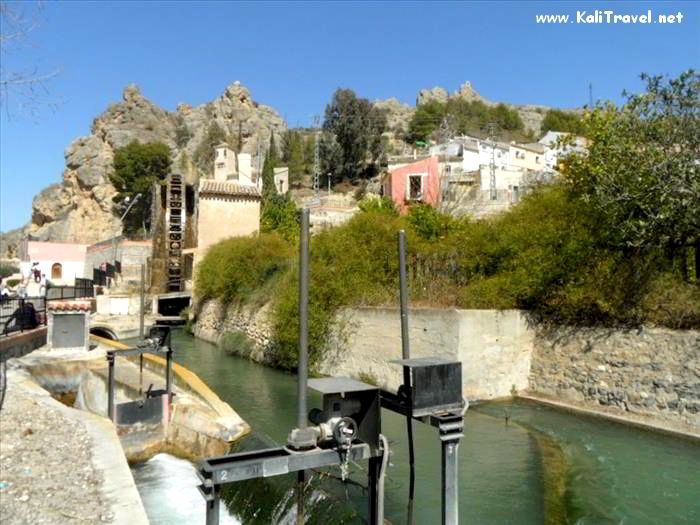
(12, 282)
(547, 255)
(236, 269)
(7, 269)
(382, 205)
(280, 215)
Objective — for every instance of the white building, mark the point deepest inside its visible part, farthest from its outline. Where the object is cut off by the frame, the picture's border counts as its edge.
(282, 180)
(229, 166)
(60, 262)
(555, 151)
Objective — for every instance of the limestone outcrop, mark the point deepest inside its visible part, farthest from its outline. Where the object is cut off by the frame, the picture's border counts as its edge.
(399, 115)
(80, 207)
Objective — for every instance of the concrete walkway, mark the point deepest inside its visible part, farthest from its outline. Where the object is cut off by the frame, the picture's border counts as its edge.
(59, 464)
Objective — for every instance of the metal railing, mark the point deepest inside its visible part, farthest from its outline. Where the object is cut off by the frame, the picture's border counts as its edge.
(18, 314)
(83, 288)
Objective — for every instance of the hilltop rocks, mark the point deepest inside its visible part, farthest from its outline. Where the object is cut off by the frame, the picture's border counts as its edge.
(397, 114)
(79, 209)
(437, 94)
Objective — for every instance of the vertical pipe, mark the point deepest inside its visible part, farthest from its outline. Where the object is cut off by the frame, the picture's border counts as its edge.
(301, 481)
(110, 386)
(450, 496)
(213, 507)
(142, 312)
(406, 354)
(169, 374)
(403, 294)
(302, 374)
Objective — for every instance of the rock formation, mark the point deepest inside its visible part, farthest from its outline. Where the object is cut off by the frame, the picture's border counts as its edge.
(79, 209)
(400, 114)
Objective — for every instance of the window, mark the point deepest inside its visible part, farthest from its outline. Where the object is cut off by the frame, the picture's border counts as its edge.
(224, 153)
(220, 164)
(415, 187)
(56, 271)
(537, 159)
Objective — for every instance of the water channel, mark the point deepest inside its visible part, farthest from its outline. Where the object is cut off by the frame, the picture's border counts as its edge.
(542, 466)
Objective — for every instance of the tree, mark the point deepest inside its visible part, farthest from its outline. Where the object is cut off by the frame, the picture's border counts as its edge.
(18, 20)
(268, 171)
(137, 167)
(280, 215)
(351, 146)
(641, 168)
(425, 120)
(463, 117)
(558, 120)
(293, 145)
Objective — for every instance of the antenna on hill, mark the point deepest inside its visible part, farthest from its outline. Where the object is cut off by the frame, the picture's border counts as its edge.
(317, 158)
(590, 95)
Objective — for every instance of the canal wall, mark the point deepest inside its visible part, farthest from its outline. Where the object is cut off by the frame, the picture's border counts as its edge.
(649, 374)
(652, 373)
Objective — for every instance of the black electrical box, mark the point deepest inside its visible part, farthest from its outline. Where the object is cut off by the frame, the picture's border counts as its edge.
(436, 385)
(346, 397)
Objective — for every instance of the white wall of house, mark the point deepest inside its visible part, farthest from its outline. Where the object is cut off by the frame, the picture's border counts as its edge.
(245, 169)
(69, 270)
(501, 155)
(506, 178)
(225, 164)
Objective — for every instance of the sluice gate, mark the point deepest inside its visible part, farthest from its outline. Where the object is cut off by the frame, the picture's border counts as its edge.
(347, 427)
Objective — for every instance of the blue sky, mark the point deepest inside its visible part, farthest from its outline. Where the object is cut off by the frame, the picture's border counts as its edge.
(292, 56)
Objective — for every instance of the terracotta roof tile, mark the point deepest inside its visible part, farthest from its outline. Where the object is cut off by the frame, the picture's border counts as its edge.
(69, 306)
(208, 186)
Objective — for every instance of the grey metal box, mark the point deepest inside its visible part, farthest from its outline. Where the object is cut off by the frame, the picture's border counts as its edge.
(436, 384)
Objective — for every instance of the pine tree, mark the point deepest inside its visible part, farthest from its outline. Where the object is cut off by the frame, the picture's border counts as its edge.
(268, 172)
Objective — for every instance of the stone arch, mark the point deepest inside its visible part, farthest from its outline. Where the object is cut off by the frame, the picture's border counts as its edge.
(103, 331)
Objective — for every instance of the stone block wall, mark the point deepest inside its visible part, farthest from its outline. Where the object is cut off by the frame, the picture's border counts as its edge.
(214, 320)
(647, 372)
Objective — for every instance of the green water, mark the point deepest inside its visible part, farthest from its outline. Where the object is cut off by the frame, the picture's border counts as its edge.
(613, 474)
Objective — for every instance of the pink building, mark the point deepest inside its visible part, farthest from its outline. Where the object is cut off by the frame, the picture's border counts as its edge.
(415, 182)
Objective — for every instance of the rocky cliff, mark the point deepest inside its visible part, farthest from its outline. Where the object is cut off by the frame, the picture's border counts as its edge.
(399, 115)
(79, 209)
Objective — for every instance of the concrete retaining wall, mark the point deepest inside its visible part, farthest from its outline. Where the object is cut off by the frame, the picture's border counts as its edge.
(652, 375)
(21, 343)
(494, 347)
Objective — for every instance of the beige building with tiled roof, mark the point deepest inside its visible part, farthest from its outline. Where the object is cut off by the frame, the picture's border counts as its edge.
(229, 204)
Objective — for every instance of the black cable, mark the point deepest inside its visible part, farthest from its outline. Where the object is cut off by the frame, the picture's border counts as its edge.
(412, 469)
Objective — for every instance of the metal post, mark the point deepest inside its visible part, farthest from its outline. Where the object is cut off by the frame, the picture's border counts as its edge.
(213, 507)
(110, 386)
(301, 481)
(302, 374)
(406, 354)
(142, 310)
(403, 294)
(450, 476)
(169, 375)
(376, 503)
(303, 320)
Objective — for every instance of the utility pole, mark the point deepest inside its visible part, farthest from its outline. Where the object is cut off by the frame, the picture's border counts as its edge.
(491, 130)
(317, 159)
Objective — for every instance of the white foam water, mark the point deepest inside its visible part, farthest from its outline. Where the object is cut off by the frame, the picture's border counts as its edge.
(168, 489)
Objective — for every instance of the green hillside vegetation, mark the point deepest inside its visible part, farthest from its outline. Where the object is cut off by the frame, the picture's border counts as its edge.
(465, 118)
(593, 249)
